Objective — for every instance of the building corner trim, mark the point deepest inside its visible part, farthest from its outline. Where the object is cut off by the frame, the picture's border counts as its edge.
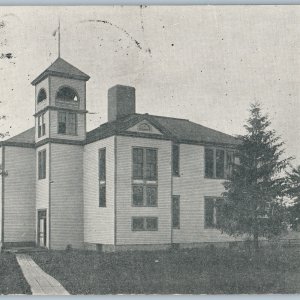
(115, 192)
(49, 200)
(2, 196)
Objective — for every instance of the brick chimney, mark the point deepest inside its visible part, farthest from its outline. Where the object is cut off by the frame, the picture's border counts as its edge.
(121, 102)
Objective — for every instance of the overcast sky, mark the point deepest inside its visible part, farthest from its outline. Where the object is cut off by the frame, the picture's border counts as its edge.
(202, 63)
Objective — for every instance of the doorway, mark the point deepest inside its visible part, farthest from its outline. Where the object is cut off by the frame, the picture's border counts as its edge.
(42, 228)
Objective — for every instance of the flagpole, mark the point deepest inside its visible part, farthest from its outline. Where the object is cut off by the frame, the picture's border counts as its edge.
(58, 37)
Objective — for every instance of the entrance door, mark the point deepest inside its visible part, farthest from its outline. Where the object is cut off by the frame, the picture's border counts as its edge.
(42, 228)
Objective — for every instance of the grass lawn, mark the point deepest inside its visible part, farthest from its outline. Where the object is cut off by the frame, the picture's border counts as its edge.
(196, 271)
(12, 280)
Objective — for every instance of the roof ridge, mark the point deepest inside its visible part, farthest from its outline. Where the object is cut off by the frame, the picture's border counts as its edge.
(166, 117)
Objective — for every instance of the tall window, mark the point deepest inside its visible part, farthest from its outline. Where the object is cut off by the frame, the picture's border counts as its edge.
(144, 223)
(67, 123)
(209, 163)
(41, 125)
(176, 212)
(42, 164)
(213, 211)
(151, 164)
(229, 162)
(144, 163)
(144, 175)
(138, 163)
(175, 160)
(102, 177)
(218, 163)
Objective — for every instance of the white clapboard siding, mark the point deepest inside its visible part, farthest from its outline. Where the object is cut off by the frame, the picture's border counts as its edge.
(42, 188)
(192, 187)
(0, 197)
(19, 188)
(66, 202)
(124, 208)
(99, 221)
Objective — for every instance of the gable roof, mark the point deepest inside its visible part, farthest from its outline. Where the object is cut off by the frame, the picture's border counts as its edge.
(61, 68)
(179, 130)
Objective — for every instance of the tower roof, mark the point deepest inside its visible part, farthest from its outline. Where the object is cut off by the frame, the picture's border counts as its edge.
(61, 68)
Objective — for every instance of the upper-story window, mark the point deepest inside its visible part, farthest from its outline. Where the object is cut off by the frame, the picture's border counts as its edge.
(175, 160)
(66, 94)
(144, 163)
(218, 163)
(67, 123)
(41, 125)
(42, 95)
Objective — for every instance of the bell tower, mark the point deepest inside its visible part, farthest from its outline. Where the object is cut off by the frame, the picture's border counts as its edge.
(60, 103)
(60, 132)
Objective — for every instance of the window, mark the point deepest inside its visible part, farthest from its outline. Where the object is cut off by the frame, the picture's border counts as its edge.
(72, 123)
(151, 196)
(144, 195)
(151, 164)
(144, 163)
(102, 164)
(62, 122)
(229, 162)
(138, 163)
(220, 160)
(102, 195)
(175, 160)
(138, 195)
(67, 123)
(176, 212)
(218, 163)
(102, 177)
(209, 163)
(41, 96)
(144, 176)
(66, 94)
(144, 224)
(41, 125)
(213, 211)
(42, 164)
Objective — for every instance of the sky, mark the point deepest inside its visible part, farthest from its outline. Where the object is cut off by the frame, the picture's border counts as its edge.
(202, 63)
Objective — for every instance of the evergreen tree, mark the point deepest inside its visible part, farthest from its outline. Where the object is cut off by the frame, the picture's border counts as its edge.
(253, 195)
(293, 190)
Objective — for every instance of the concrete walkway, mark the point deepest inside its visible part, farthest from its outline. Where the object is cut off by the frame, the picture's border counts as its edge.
(40, 282)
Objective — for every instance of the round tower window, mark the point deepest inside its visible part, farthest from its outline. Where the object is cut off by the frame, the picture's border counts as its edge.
(66, 94)
(41, 96)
